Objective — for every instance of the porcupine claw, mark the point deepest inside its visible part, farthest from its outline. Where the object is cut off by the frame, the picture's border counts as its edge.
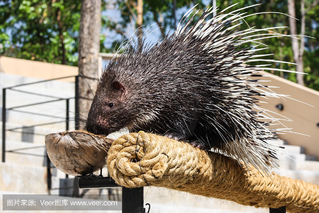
(199, 145)
(175, 136)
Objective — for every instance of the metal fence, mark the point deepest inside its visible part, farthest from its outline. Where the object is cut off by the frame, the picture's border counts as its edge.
(19, 108)
(28, 131)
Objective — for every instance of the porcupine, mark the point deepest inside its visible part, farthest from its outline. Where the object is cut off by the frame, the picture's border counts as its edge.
(197, 85)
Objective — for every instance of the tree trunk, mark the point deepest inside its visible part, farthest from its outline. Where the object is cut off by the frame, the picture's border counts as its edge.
(295, 44)
(302, 44)
(60, 29)
(159, 22)
(139, 22)
(89, 48)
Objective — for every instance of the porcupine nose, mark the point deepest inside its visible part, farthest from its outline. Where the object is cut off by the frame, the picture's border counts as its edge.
(97, 125)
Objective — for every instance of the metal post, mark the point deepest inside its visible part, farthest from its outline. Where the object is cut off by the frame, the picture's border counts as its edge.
(279, 210)
(133, 200)
(100, 68)
(77, 110)
(4, 125)
(89, 182)
(67, 114)
(67, 120)
(76, 118)
(49, 175)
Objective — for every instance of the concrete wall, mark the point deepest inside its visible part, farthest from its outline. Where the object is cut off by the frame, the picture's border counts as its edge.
(302, 107)
(36, 69)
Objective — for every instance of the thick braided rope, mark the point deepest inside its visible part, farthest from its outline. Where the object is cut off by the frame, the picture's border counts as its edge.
(141, 159)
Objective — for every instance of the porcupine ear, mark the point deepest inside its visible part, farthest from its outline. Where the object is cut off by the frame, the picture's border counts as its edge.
(118, 86)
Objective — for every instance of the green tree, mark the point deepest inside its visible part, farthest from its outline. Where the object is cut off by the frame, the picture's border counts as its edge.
(281, 47)
(311, 54)
(42, 30)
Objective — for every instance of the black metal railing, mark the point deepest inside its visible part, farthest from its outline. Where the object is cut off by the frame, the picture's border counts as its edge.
(19, 108)
(65, 119)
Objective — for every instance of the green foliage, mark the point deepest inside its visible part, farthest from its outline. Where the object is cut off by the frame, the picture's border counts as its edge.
(161, 12)
(42, 30)
(311, 55)
(281, 46)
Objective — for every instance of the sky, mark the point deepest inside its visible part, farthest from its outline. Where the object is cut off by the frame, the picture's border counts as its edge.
(152, 33)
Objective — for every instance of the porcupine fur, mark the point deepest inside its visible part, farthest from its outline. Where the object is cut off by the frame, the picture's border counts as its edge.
(195, 86)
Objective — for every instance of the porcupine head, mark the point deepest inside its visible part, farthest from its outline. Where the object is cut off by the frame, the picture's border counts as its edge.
(194, 86)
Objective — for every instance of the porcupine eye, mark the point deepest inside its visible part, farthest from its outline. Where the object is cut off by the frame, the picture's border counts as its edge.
(111, 105)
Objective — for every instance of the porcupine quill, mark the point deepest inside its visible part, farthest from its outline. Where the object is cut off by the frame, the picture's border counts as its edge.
(194, 86)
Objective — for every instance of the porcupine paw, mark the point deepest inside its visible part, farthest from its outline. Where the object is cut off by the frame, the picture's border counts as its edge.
(175, 136)
(198, 144)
